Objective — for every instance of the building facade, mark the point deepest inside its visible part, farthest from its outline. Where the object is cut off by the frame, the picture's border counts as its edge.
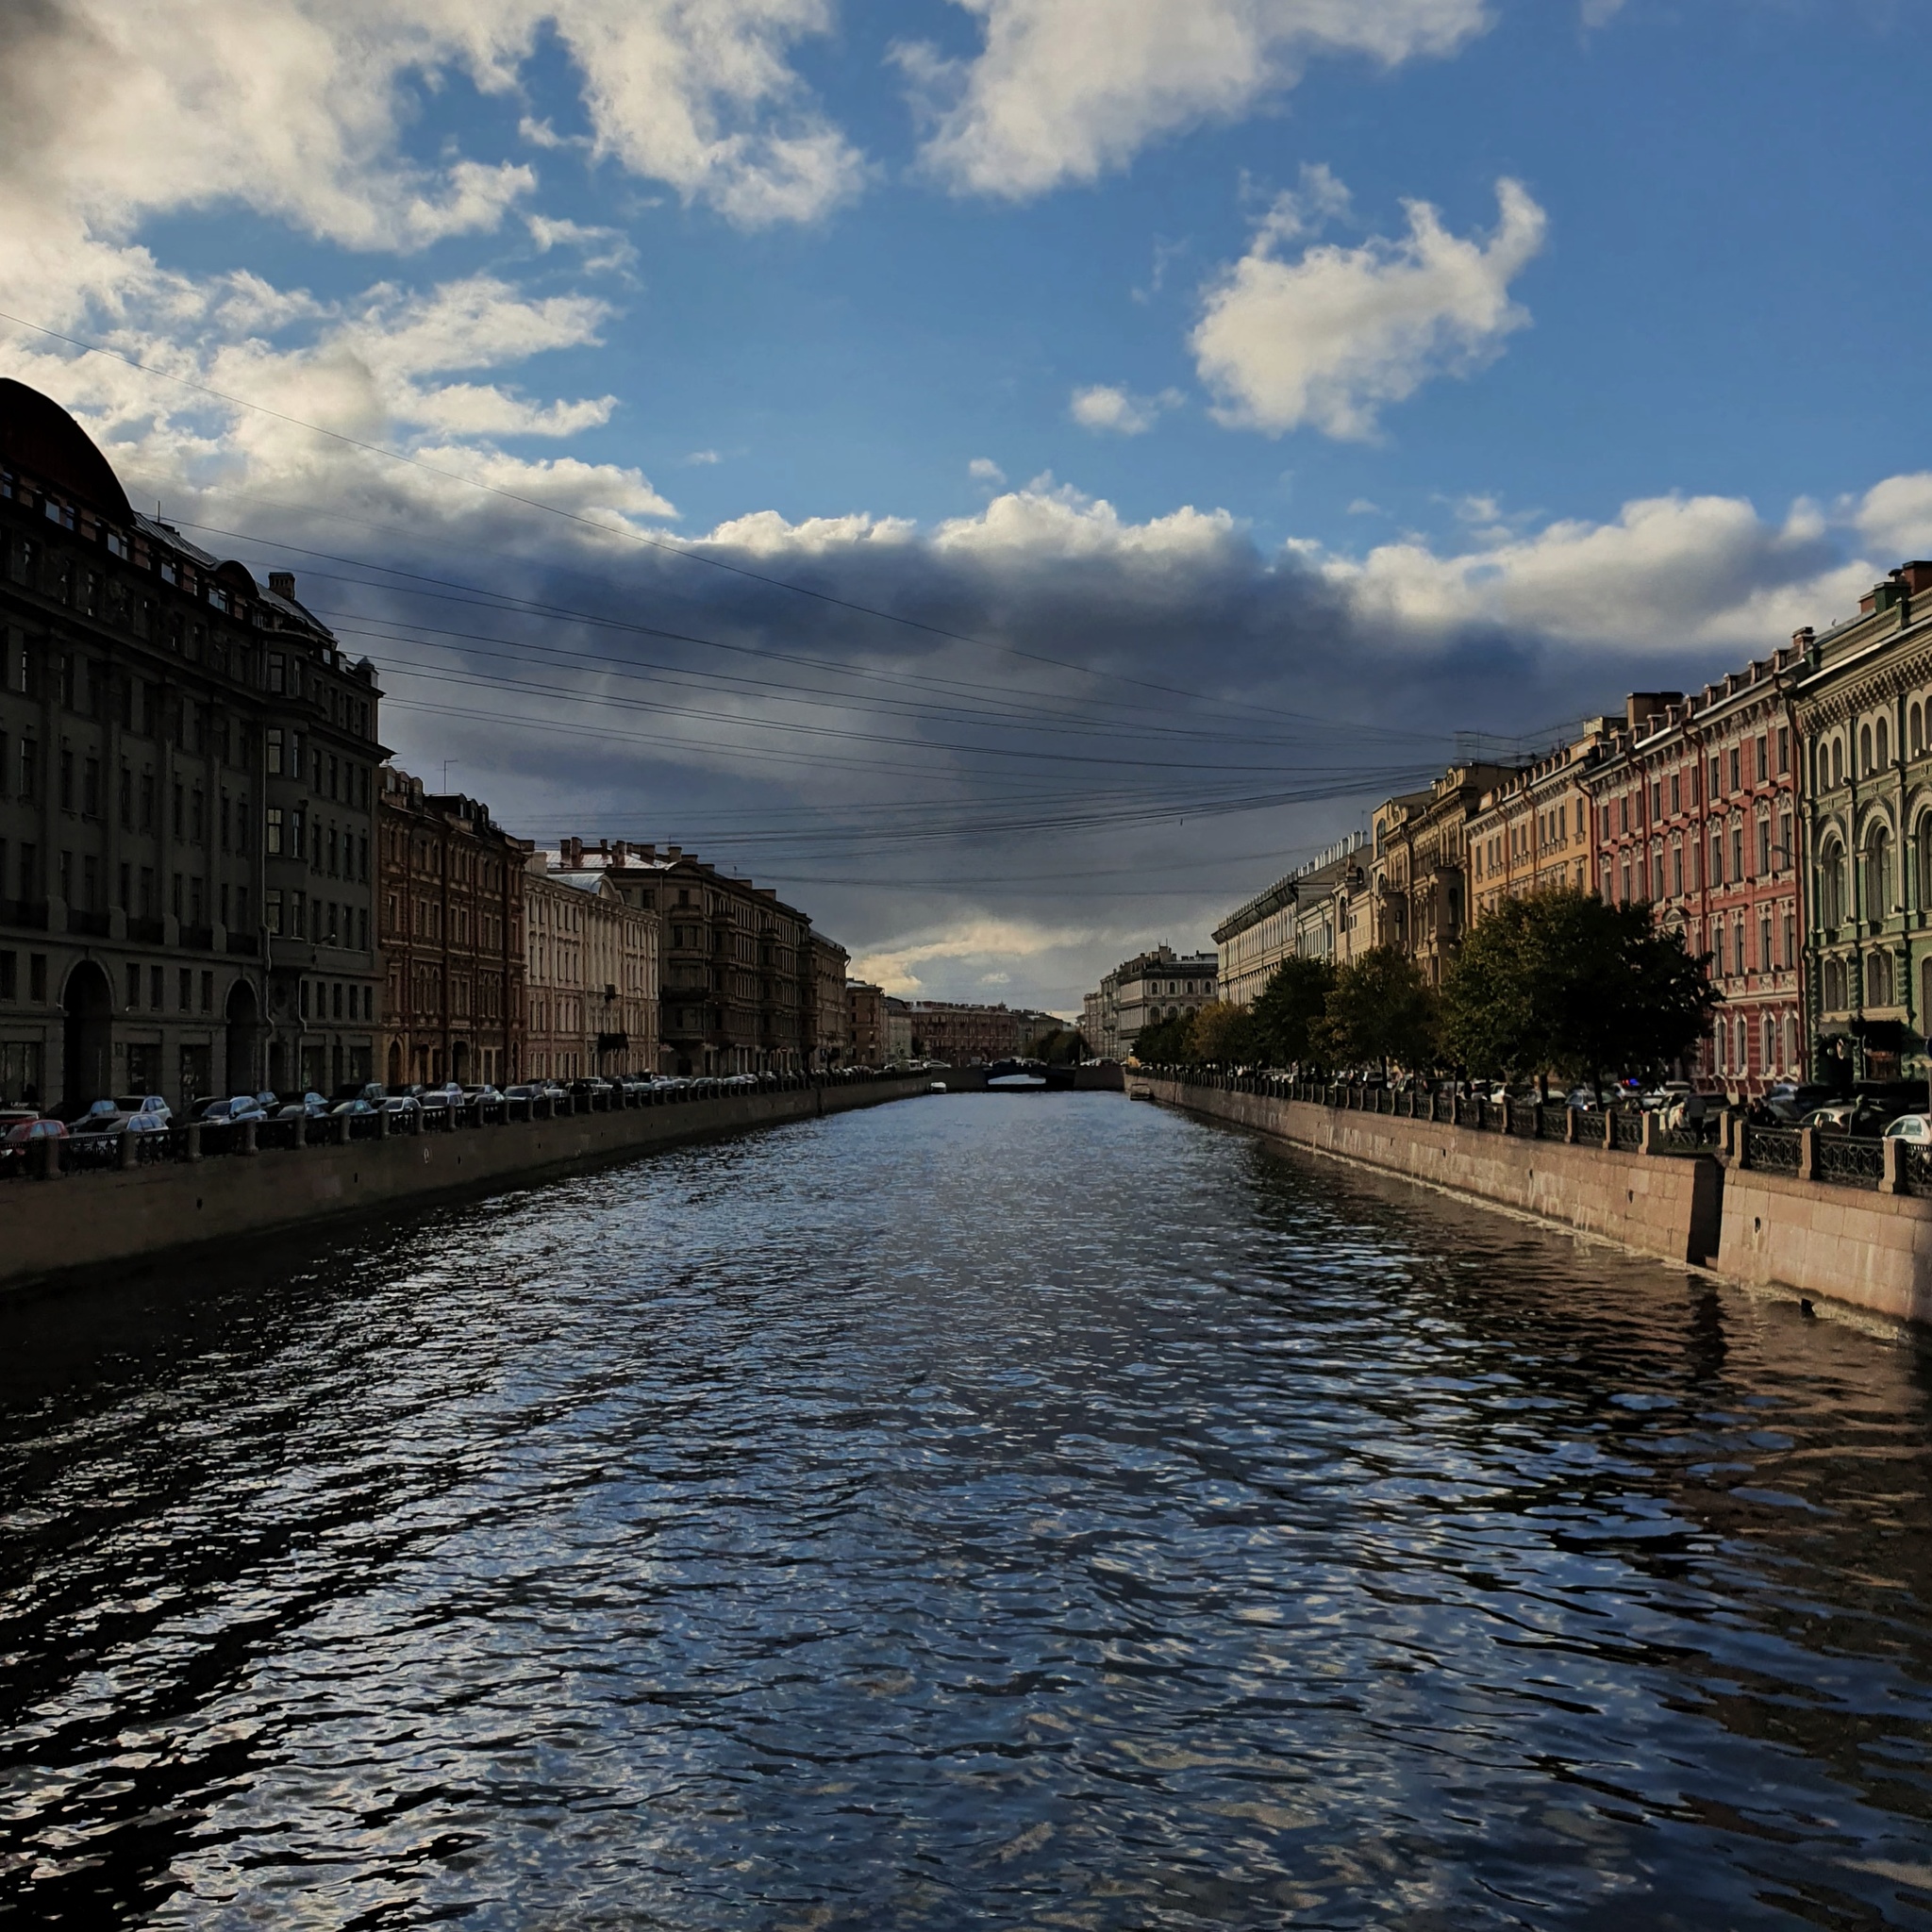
(1695, 813)
(828, 1016)
(1298, 916)
(450, 902)
(592, 968)
(737, 986)
(898, 1030)
(1532, 832)
(1421, 865)
(1160, 985)
(1861, 699)
(168, 725)
(865, 1023)
(1100, 1020)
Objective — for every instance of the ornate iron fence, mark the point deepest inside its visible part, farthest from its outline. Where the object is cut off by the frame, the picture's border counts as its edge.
(1553, 1122)
(1919, 1169)
(1524, 1119)
(1627, 1130)
(1850, 1162)
(1772, 1150)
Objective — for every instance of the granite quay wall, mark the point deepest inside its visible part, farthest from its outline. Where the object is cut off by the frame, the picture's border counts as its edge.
(1815, 1214)
(1664, 1203)
(51, 1226)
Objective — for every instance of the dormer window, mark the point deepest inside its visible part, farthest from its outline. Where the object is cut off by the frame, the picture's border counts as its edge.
(59, 513)
(117, 545)
(218, 597)
(169, 574)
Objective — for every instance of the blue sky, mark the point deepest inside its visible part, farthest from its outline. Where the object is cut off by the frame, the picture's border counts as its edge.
(1412, 364)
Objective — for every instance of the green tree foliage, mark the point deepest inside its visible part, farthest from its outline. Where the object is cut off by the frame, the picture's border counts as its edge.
(1289, 1009)
(1380, 1011)
(1224, 1036)
(1058, 1046)
(1565, 984)
(1168, 1043)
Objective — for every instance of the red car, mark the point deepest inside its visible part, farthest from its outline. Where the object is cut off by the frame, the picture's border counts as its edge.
(16, 1137)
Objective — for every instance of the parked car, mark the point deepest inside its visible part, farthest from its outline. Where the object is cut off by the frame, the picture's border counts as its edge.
(1915, 1127)
(404, 1110)
(1788, 1100)
(231, 1112)
(356, 1108)
(481, 1096)
(18, 1135)
(370, 1091)
(1852, 1117)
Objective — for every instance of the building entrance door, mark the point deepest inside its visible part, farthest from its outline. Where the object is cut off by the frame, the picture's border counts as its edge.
(88, 1044)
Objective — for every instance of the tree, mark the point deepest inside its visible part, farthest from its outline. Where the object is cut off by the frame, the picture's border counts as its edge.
(1223, 1036)
(1381, 1009)
(1167, 1042)
(1565, 983)
(1288, 1009)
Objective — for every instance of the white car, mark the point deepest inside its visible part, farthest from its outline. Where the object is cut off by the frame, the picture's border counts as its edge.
(1915, 1127)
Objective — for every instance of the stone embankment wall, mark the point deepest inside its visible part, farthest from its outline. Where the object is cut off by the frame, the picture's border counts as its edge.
(92, 1221)
(1871, 1248)
(1661, 1205)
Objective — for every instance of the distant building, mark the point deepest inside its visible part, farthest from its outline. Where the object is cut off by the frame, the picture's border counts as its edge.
(898, 1029)
(962, 1035)
(449, 905)
(1420, 868)
(1299, 916)
(1160, 985)
(737, 986)
(865, 1023)
(1100, 1020)
(1531, 832)
(827, 1016)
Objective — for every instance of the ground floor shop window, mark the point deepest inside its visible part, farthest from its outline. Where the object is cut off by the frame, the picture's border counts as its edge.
(21, 1071)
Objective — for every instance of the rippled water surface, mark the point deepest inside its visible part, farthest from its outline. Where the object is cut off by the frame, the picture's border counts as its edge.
(995, 1511)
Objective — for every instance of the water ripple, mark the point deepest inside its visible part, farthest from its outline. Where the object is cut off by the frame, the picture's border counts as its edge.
(982, 1512)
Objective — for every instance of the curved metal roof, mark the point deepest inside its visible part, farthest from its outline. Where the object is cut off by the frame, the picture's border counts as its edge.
(37, 435)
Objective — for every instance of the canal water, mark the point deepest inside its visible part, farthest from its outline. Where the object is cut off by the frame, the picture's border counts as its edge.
(1029, 1510)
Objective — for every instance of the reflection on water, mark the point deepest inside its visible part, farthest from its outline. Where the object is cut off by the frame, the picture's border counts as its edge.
(982, 1512)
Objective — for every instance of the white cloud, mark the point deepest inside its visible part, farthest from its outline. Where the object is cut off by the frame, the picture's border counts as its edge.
(300, 110)
(704, 458)
(603, 248)
(1065, 90)
(1601, 13)
(1669, 574)
(967, 947)
(1333, 336)
(984, 470)
(1896, 516)
(1102, 409)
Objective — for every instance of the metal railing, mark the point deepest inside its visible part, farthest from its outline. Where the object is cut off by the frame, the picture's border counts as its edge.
(185, 1142)
(1858, 1163)
(1839, 1161)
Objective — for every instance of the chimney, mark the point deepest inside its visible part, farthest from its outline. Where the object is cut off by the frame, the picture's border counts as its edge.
(571, 852)
(1916, 577)
(282, 582)
(674, 852)
(1642, 705)
(618, 854)
(650, 853)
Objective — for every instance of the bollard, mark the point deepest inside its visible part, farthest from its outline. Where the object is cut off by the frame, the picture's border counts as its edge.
(129, 1150)
(1807, 1154)
(382, 1123)
(1609, 1135)
(48, 1157)
(1570, 1116)
(341, 1130)
(248, 1145)
(193, 1149)
(1653, 1133)
(1740, 1141)
(1892, 1178)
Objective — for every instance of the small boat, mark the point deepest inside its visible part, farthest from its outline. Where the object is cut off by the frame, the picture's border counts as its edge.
(1016, 1076)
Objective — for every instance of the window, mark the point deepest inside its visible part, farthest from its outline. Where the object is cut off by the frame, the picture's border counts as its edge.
(1763, 760)
(1736, 768)
(1737, 853)
(1716, 778)
(274, 752)
(1837, 749)
(1790, 958)
(1764, 848)
(1717, 860)
(1879, 892)
(1865, 751)
(1676, 793)
(1764, 952)
(1884, 744)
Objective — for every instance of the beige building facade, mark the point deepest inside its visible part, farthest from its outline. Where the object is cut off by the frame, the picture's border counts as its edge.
(1161, 984)
(1531, 833)
(1421, 865)
(591, 974)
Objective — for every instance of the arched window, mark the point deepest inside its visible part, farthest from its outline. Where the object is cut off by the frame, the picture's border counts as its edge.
(1865, 751)
(1831, 885)
(1878, 893)
(1878, 980)
(1884, 744)
(1791, 1040)
(1835, 985)
(1718, 1041)
(1837, 762)
(1915, 729)
(1921, 861)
